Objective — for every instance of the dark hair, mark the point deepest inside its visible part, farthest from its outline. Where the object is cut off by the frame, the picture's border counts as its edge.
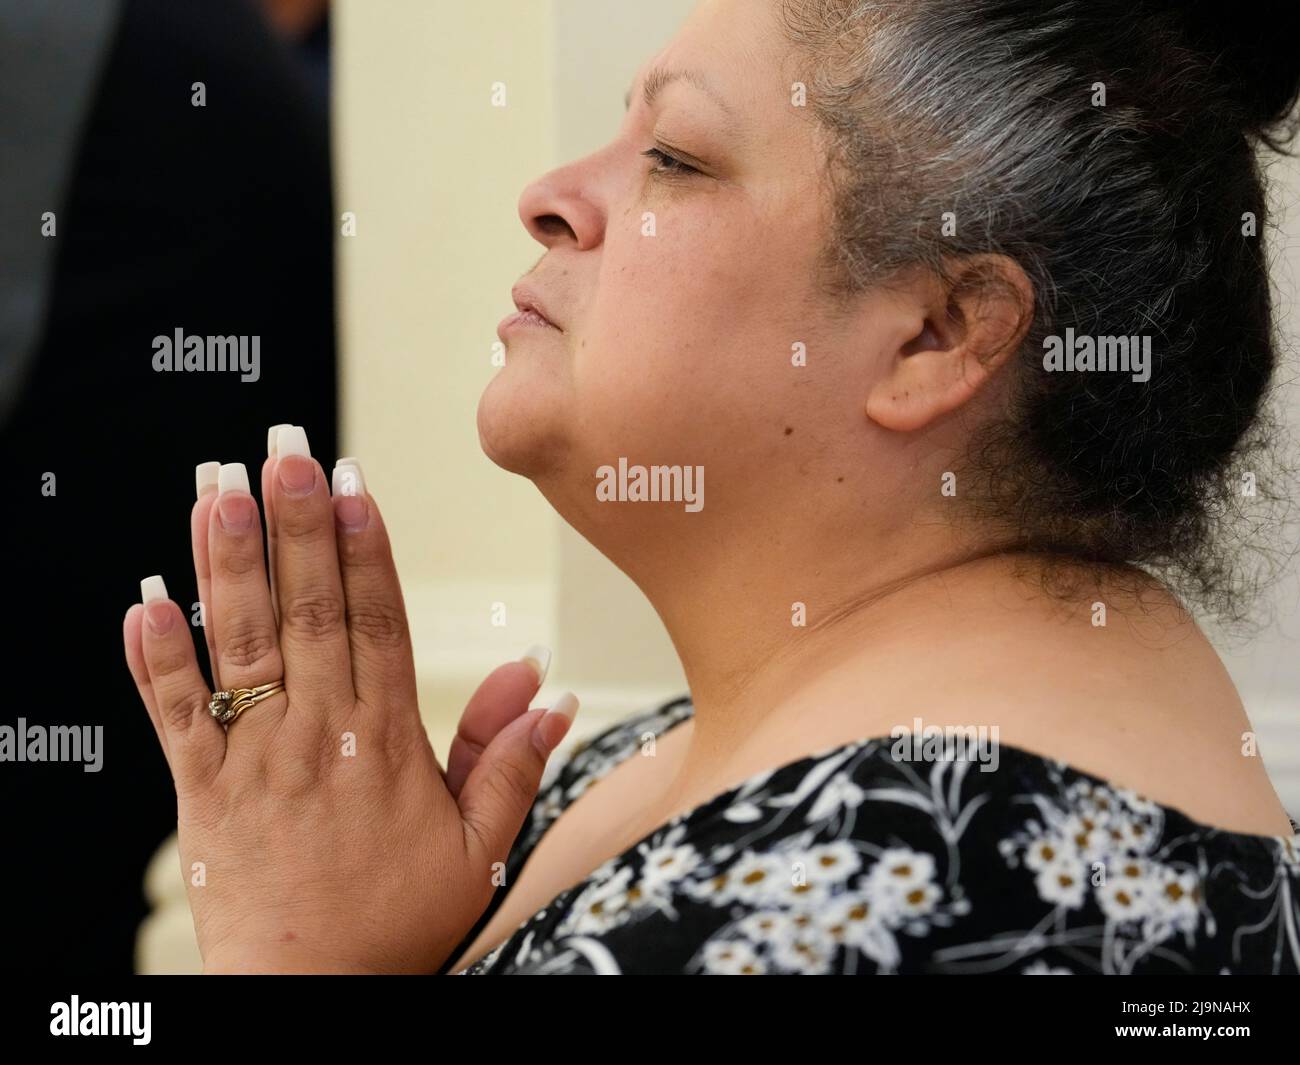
(1132, 216)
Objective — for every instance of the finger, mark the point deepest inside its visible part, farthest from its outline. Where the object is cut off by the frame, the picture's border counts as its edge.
(205, 487)
(196, 744)
(248, 645)
(499, 792)
(383, 667)
(499, 700)
(268, 505)
(133, 641)
(313, 625)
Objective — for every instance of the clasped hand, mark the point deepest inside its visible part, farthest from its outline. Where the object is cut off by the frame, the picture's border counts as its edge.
(318, 832)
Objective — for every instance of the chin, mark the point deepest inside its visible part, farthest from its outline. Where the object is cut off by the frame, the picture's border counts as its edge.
(517, 430)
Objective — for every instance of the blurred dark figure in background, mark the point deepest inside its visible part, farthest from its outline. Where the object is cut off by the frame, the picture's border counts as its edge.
(306, 24)
(164, 167)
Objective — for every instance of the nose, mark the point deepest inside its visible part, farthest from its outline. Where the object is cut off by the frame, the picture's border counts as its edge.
(561, 209)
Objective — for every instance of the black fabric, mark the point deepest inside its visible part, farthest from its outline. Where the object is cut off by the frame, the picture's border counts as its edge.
(860, 860)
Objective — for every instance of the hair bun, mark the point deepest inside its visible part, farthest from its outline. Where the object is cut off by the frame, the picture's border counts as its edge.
(1255, 55)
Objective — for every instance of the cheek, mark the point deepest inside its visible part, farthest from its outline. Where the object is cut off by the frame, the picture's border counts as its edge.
(719, 270)
(691, 336)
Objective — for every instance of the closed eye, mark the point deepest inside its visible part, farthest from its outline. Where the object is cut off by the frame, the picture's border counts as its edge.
(668, 164)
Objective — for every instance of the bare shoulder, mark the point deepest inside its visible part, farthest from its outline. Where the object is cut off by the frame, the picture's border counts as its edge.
(1104, 670)
(1116, 677)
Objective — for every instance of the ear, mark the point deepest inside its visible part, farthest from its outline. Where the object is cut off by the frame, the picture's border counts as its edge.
(957, 332)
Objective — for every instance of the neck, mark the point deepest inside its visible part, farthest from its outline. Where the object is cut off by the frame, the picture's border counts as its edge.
(757, 627)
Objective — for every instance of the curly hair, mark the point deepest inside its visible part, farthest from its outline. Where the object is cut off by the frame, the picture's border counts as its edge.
(1111, 150)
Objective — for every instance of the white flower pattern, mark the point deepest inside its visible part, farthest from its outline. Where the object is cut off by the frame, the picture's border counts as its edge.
(848, 861)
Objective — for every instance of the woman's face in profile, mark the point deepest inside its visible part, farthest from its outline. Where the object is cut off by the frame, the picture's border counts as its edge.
(681, 270)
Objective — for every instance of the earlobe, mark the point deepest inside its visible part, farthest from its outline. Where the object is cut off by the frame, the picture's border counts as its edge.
(923, 387)
(970, 329)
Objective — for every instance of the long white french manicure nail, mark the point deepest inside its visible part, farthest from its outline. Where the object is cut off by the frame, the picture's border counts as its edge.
(292, 441)
(160, 618)
(272, 436)
(566, 706)
(347, 481)
(553, 725)
(205, 477)
(232, 475)
(350, 461)
(539, 657)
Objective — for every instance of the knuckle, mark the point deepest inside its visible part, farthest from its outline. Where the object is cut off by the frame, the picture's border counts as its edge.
(315, 615)
(378, 622)
(248, 645)
(512, 783)
(181, 711)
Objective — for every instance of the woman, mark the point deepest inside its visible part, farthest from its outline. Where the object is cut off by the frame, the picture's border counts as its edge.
(869, 266)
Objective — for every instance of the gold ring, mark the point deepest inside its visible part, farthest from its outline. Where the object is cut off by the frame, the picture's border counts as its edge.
(225, 706)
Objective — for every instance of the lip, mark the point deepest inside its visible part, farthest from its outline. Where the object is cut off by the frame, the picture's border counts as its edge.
(524, 320)
(530, 307)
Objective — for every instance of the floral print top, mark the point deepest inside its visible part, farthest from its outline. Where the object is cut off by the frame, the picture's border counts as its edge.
(853, 860)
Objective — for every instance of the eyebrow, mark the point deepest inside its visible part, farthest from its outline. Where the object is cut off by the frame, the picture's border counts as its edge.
(660, 78)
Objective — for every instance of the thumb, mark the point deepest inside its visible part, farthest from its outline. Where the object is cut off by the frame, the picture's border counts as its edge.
(499, 700)
(502, 786)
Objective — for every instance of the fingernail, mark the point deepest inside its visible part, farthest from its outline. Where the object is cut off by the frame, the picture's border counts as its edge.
(348, 480)
(232, 476)
(349, 461)
(157, 610)
(351, 509)
(272, 435)
(235, 512)
(296, 478)
(554, 724)
(205, 477)
(292, 441)
(539, 657)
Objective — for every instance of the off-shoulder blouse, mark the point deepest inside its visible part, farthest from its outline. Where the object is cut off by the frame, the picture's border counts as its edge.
(855, 860)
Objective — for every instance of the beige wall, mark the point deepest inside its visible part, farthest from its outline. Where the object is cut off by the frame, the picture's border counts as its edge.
(1266, 666)
(433, 173)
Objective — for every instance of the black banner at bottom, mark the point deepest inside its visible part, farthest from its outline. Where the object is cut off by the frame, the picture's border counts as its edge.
(333, 1014)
